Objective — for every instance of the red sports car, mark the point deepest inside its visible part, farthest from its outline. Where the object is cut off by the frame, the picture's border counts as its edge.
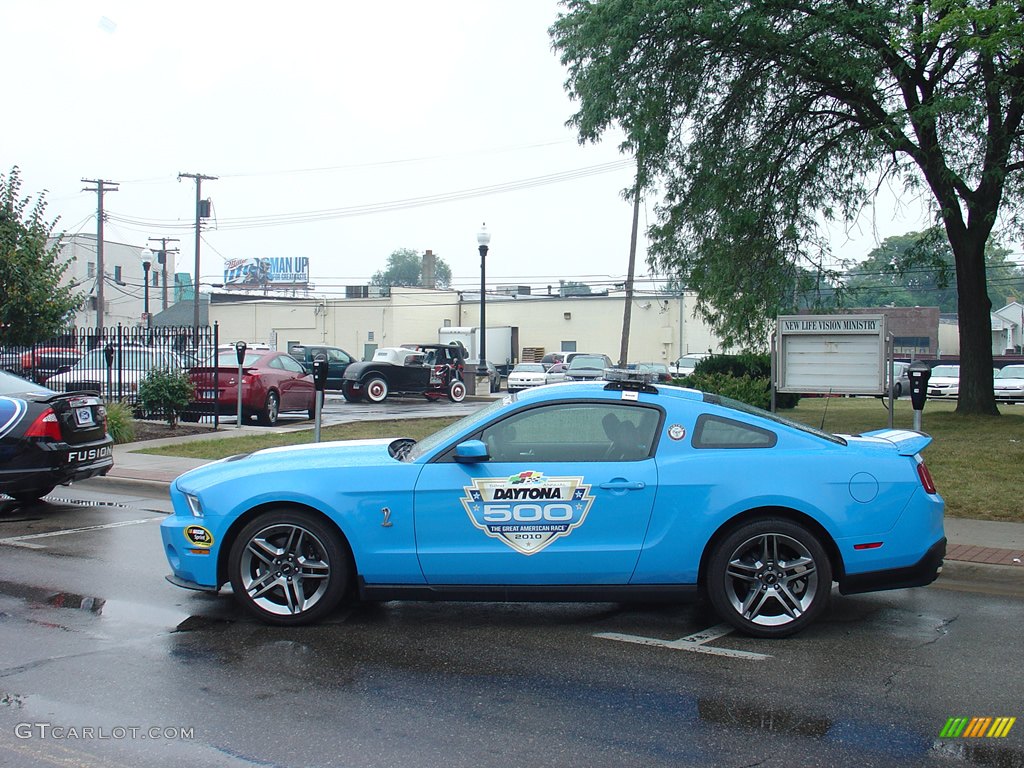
(272, 383)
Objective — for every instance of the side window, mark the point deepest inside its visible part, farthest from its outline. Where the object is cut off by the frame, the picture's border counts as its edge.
(718, 432)
(289, 364)
(275, 363)
(604, 431)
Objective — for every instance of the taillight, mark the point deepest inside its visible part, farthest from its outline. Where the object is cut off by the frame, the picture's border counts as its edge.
(926, 477)
(46, 425)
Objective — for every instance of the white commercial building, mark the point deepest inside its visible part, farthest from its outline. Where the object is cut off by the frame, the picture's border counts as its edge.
(662, 327)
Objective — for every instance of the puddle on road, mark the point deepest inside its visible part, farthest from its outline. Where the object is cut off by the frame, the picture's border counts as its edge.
(120, 611)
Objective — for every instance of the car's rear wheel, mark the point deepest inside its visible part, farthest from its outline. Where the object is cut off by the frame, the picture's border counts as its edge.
(289, 568)
(271, 410)
(769, 578)
(457, 391)
(376, 389)
(352, 392)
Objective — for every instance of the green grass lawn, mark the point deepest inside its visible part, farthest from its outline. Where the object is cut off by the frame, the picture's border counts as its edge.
(975, 461)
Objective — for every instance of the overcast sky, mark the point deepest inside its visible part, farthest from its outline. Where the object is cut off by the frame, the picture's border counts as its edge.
(372, 126)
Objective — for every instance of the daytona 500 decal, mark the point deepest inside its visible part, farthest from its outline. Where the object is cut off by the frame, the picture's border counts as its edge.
(528, 511)
(11, 412)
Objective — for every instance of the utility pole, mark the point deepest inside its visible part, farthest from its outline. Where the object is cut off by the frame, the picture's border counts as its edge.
(627, 310)
(101, 187)
(161, 257)
(199, 216)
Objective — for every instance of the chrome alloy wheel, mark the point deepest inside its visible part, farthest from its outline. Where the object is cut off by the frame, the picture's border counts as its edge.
(771, 580)
(285, 570)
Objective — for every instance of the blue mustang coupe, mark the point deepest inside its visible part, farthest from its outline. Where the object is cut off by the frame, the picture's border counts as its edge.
(599, 491)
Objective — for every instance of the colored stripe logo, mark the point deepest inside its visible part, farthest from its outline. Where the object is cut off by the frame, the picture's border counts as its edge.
(977, 727)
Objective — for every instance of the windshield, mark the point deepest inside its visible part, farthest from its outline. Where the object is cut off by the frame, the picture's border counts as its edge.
(1011, 372)
(132, 358)
(12, 385)
(528, 368)
(442, 436)
(951, 371)
(587, 361)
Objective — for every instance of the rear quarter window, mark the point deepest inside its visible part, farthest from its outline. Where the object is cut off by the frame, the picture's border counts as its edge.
(718, 432)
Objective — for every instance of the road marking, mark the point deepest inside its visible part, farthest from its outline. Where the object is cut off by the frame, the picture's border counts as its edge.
(696, 642)
(26, 541)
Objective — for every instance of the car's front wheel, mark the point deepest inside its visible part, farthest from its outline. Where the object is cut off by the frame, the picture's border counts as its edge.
(457, 391)
(289, 568)
(376, 389)
(769, 578)
(271, 410)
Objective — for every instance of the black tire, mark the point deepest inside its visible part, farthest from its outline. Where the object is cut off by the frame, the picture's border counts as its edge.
(351, 391)
(271, 410)
(289, 568)
(769, 578)
(29, 496)
(376, 389)
(457, 391)
(897, 390)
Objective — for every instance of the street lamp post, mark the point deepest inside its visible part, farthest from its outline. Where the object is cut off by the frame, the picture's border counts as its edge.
(146, 264)
(483, 238)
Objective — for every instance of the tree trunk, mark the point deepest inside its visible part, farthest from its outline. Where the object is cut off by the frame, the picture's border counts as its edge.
(974, 310)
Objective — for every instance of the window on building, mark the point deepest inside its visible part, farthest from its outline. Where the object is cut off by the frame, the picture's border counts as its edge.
(117, 275)
(90, 269)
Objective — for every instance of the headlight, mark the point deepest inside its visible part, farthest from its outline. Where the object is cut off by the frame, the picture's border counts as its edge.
(194, 504)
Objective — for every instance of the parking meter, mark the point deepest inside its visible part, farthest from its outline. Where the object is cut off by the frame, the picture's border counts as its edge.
(918, 373)
(240, 354)
(320, 384)
(108, 355)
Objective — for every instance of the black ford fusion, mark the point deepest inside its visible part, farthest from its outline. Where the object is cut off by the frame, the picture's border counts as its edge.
(49, 438)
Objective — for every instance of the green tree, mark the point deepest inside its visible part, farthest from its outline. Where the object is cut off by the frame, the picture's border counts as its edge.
(918, 269)
(761, 119)
(405, 268)
(34, 306)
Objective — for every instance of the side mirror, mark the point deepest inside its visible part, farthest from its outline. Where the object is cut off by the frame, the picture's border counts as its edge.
(240, 351)
(471, 452)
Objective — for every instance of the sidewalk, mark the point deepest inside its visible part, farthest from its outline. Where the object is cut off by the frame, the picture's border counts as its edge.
(977, 549)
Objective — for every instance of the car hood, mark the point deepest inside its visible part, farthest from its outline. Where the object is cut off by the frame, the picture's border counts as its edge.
(287, 460)
(942, 381)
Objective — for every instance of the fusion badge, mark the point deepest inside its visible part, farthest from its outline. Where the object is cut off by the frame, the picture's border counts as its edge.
(528, 511)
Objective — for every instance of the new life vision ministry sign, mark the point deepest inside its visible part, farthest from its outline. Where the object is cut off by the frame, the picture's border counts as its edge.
(831, 354)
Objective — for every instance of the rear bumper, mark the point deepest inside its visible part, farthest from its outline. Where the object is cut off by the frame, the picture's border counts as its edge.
(920, 574)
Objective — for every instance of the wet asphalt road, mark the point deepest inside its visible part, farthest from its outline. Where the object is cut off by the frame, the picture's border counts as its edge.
(102, 663)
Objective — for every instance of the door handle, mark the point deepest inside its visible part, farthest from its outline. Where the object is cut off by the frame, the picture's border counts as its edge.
(623, 485)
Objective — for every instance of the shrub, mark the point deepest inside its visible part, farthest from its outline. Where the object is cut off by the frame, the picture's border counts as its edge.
(165, 394)
(743, 388)
(745, 377)
(120, 423)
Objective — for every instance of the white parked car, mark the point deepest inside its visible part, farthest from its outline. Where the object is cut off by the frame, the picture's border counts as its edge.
(684, 365)
(1009, 384)
(944, 381)
(526, 375)
(129, 367)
